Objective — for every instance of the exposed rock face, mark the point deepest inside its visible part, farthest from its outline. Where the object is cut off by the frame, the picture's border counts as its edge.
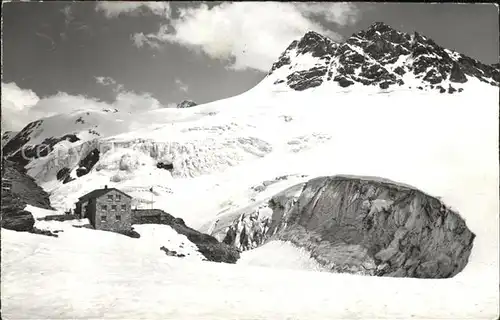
(373, 227)
(212, 249)
(379, 56)
(24, 191)
(172, 253)
(45, 232)
(305, 79)
(7, 135)
(187, 104)
(15, 218)
(64, 175)
(312, 44)
(24, 187)
(87, 163)
(165, 165)
(130, 233)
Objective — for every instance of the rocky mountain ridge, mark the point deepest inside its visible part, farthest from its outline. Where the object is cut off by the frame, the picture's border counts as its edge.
(380, 56)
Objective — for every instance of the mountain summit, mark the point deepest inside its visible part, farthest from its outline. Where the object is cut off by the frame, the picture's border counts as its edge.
(379, 56)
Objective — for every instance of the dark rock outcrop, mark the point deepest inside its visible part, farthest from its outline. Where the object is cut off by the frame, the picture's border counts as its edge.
(7, 136)
(187, 104)
(457, 75)
(301, 80)
(87, 163)
(129, 233)
(372, 226)
(212, 249)
(441, 89)
(343, 82)
(315, 44)
(24, 188)
(399, 71)
(45, 232)
(23, 191)
(165, 165)
(172, 253)
(15, 218)
(63, 173)
(60, 217)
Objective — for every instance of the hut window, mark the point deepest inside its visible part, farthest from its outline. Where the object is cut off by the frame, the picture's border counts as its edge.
(103, 218)
(104, 207)
(124, 206)
(118, 197)
(118, 218)
(110, 197)
(113, 207)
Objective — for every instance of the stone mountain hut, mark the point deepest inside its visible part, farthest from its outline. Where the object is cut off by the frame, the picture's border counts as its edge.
(107, 209)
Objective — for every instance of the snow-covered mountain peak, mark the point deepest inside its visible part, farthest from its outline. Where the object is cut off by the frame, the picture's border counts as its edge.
(315, 44)
(378, 56)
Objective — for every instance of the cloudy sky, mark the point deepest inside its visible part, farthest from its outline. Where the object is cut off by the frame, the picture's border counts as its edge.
(60, 56)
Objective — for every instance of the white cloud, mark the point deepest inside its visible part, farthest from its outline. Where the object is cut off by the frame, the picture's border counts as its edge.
(15, 105)
(341, 13)
(181, 85)
(113, 9)
(63, 103)
(21, 106)
(248, 34)
(105, 81)
(108, 81)
(133, 102)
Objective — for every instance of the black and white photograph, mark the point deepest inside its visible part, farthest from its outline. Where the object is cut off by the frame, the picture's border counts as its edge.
(250, 160)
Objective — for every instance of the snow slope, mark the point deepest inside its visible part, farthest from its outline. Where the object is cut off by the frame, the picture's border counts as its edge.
(69, 279)
(152, 237)
(280, 254)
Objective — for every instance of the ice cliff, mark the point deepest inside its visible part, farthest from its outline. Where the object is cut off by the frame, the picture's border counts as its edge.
(363, 225)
